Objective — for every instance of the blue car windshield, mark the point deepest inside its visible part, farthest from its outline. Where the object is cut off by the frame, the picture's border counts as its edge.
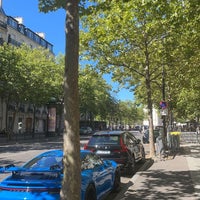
(44, 162)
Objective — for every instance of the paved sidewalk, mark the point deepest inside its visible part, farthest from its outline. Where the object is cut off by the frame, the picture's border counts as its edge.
(176, 178)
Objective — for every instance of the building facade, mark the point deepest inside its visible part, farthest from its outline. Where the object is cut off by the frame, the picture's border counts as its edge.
(13, 31)
(21, 118)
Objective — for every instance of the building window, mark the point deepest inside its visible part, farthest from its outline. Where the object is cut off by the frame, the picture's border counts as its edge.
(43, 43)
(21, 28)
(29, 34)
(13, 23)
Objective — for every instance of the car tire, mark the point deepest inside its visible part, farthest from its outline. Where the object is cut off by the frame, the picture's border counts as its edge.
(90, 193)
(131, 166)
(143, 159)
(117, 181)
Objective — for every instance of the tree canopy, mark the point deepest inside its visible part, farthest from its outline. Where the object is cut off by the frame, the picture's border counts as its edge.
(27, 73)
(142, 43)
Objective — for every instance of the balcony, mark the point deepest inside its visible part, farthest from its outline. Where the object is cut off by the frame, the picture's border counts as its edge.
(3, 25)
(1, 41)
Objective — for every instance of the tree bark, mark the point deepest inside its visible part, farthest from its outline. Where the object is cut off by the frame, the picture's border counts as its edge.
(72, 174)
(149, 103)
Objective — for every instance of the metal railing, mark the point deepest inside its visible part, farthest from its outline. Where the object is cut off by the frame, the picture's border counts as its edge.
(189, 137)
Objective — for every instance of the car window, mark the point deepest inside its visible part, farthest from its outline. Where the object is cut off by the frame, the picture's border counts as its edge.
(130, 140)
(132, 136)
(44, 162)
(104, 139)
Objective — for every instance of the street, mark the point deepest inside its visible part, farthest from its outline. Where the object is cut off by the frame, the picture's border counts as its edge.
(19, 153)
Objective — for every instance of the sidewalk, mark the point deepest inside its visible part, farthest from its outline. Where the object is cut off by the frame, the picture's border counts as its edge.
(176, 178)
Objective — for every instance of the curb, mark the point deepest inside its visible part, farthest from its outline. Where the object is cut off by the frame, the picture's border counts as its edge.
(122, 194)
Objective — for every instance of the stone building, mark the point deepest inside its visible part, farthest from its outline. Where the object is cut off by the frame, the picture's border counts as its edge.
(28, 118)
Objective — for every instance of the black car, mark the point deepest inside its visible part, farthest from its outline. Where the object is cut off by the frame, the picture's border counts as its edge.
(85, 130)
(120, 146)
(145, 138)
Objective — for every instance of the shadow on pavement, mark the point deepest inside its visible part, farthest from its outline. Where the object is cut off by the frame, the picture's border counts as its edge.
(161, 185)
(161, 180)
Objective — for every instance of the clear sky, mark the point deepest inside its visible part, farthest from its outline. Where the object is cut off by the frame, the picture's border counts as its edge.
(52, 24)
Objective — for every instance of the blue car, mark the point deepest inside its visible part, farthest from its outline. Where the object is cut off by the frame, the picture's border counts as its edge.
(41, 177)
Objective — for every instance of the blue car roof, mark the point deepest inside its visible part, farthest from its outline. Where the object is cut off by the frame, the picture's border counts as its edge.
(59, 153)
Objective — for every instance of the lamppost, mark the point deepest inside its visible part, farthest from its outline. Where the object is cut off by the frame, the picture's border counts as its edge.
(163, 106)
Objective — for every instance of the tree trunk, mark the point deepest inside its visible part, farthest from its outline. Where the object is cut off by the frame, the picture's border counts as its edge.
(72, 179)
(149, 104)
(150, 117)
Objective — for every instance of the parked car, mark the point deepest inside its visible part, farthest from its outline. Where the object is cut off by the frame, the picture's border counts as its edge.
(120, 146)
(145, 137)
(41, 177)
(137, 128)
(85, 130)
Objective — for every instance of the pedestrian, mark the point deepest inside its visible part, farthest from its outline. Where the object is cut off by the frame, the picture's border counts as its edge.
(197, 132)
(159, 146)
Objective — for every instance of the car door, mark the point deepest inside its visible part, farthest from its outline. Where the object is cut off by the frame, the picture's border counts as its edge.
(102, 174)
(133, 145)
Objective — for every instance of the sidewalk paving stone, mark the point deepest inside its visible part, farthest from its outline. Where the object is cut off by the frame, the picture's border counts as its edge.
(173, 179)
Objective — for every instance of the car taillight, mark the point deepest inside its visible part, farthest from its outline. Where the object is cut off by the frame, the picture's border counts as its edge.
(88, 148)
(123, 146)
(85, 147)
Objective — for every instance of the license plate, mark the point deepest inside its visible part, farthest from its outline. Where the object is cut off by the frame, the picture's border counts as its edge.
(103, 152)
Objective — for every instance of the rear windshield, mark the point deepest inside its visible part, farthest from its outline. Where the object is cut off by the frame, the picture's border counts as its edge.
(104, 139)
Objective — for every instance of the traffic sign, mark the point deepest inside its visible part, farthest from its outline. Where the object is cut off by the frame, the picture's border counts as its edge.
(163, 104)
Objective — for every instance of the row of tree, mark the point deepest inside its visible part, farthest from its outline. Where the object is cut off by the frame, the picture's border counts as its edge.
(33, 76)
(29, 75)
(140, 42)
(151, 45)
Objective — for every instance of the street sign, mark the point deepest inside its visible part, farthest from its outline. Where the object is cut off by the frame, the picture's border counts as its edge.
(164, 112)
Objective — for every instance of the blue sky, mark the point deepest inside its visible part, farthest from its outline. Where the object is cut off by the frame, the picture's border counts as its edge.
(53, 25)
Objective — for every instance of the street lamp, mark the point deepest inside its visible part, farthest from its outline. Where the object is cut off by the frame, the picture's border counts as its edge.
(164, 105)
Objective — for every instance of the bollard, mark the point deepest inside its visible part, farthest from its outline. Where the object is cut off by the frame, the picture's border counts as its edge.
(174, 141)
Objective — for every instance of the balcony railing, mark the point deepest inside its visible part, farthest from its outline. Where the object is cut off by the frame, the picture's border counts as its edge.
(3, 25)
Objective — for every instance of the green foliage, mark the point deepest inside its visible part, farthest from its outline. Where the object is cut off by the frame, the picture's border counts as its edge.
(51, 5)
(130, 113)
(10, 76)
(29, 75)
(129, 39)
(94, 93)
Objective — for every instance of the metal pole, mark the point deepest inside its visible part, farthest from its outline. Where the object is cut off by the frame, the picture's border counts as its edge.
(163, 96)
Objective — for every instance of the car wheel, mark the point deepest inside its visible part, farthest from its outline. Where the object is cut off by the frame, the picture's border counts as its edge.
(90, 193)
(131, 166)
(117, 181)
(143, 159)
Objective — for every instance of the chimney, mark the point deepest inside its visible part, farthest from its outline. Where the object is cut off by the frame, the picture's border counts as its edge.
(0, 3)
